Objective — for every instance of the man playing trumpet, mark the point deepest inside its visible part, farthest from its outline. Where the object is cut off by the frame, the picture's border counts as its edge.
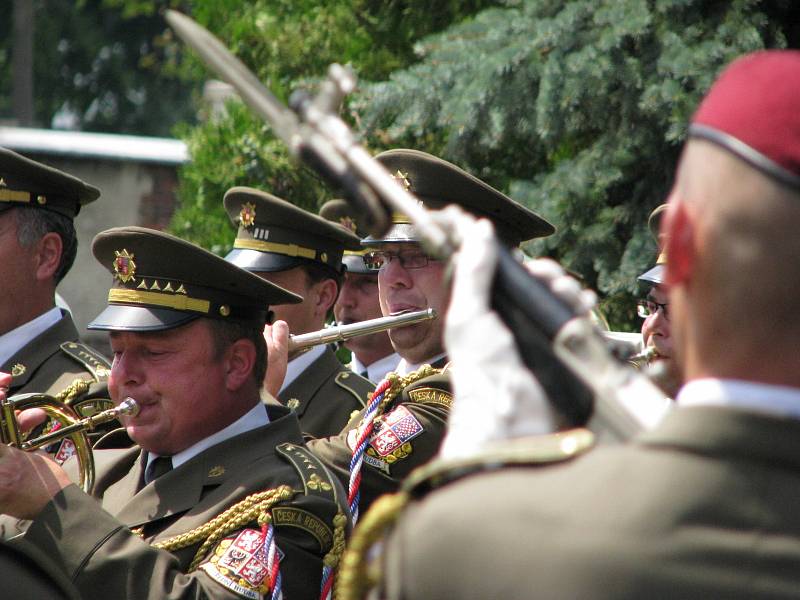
(219, 498)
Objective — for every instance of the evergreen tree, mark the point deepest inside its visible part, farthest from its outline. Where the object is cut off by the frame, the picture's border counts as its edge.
(577, 109)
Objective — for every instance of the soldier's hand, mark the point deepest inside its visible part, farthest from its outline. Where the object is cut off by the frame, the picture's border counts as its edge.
(28, 481)
(277, 338)
(496, 396)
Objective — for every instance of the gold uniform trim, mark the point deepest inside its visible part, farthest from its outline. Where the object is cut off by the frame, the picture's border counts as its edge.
(159, 299)
(285, 249)
(7, 195)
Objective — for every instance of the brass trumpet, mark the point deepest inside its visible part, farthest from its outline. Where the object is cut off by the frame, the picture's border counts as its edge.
(342, 333)
(70, 426)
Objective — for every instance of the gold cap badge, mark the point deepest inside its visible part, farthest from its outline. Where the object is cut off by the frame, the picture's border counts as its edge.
(124, 267)
(402, 179)
(247, 216)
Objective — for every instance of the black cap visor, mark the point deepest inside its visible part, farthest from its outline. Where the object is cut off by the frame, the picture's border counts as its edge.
(654, 275)
(120, 317)
(255, 260)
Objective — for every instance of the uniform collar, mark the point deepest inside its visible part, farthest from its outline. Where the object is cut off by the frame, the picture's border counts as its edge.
(300, 364)
(378, 369)
(404, 367)
(782, 401)
(16, 339)
(253, 419)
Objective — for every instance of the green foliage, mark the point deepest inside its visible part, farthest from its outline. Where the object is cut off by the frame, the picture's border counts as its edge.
(577, 109)
(236, 150)
(107, 62)
(288, 44)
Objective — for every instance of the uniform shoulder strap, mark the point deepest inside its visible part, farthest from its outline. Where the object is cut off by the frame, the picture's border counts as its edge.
(355, 385)
(89, 358)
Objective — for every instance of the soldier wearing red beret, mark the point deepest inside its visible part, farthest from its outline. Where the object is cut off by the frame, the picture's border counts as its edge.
(705, 504)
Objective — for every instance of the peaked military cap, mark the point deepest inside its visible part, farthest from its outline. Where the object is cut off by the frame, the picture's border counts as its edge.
(25, 182)
(341, 212)
(275, 235)
(437, 183)
(161, 282)
(656, 274)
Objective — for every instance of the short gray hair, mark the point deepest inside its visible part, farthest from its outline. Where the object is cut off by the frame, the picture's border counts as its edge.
(33, 224)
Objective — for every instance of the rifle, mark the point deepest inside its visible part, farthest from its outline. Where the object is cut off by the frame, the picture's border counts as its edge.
(582, 378)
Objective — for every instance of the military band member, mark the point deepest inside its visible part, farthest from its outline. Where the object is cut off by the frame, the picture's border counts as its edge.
(301, 252)
(28, 574)
(39, 344)
(219, 498)
(405, 428)
(702, 506)
(662, 368)
(372, 355)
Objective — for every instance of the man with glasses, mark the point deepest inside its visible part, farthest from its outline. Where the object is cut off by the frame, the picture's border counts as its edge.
(654, 309)
(404, 428)
(704, 505)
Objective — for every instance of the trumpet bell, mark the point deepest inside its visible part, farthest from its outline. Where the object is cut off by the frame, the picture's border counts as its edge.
(67, 425)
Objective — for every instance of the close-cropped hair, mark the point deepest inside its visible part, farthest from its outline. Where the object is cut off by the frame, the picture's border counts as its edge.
(33, 224)
(225, 333)
(317, 272)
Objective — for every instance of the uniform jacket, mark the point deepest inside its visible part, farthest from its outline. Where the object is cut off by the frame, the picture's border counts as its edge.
(325, 395)
(56, 359)
(53, 360)
(406, 436)
(704, 506)
(98, 551)
(29, 575)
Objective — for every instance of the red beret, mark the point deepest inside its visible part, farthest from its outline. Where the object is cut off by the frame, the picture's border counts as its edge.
(753, 111)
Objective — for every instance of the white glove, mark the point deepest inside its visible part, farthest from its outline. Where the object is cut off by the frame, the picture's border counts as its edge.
(496, 396)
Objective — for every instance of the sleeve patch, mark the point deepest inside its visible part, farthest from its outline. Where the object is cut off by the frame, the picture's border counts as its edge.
(429, 395)
(284, 516)
(239, 563)
(393, 433)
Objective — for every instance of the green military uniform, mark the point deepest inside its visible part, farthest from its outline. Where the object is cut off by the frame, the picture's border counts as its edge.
(410, 428)
(326, 393)
(55, 362)
(274, 236)
(407, 434)
(30, 575)
(136, 518)
(202, 529)
(700, 507)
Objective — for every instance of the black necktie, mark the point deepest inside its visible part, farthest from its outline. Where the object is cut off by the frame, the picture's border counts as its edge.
(157, 467)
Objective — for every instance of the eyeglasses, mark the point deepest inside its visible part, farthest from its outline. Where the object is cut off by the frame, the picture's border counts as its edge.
(646, 308)
(377, 259)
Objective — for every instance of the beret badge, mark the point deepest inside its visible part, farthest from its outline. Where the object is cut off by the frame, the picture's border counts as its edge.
(124, 266)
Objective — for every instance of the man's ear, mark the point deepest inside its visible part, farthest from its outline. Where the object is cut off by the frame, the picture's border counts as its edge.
(49, 249)
(240, 363)
(679, 233)
(326, 293)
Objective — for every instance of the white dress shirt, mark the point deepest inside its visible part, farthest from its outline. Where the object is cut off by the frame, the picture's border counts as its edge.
(759, 397)
(378, 369)
(301, 363)
(253, 419)
(404, 367)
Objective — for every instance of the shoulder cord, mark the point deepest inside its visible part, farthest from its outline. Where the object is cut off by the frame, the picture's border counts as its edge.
(386, 391)
(255, 507)
(355, 575)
